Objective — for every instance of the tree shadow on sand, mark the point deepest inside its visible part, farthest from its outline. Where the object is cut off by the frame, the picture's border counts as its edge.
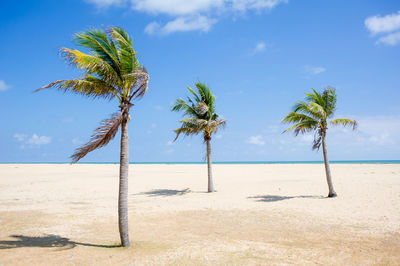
(165, 192)
(274, 198)
(47, 241)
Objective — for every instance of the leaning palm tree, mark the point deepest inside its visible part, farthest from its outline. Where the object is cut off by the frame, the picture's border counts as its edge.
(313, 114)
(111, 70)
(201, 118)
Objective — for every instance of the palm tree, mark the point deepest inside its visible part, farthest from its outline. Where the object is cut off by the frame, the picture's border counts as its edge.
(111, 70)
(313, 115)
(201, 118)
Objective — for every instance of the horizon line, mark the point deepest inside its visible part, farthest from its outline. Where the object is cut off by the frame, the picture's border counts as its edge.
(231, 162)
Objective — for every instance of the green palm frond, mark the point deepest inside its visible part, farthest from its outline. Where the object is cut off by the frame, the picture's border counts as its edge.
(89, 86)
(111, 69)
(294, 117)
(303, 127)
(97, 41)
(330, 97)
(317, 110)
(200, 112)
(313, 113)
(92, 65)
(344, 122)
(126, 53)
(196, 97)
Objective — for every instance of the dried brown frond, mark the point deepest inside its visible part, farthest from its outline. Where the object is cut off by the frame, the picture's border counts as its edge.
(141, 82)
(101, 136)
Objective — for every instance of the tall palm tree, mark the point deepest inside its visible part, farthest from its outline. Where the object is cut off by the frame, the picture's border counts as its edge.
(111, 70)
(314, 114)
(201, 118)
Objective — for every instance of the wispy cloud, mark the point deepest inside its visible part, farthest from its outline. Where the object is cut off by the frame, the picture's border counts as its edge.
(106, 3)
(181, 24)
(176, 7)
(314, 70)
(33, 141)
(390, 39)
(377, 24)
(194, 15)
(256, 140)
(260, 47)
(3, 85)
(388, 25)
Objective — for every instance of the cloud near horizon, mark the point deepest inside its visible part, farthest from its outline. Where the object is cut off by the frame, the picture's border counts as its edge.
(256, 140)
(194, 15)
(33, 141)
(388, 25)
(3, 85)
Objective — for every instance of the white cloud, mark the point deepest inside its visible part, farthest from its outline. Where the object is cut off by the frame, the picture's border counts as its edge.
(181, 24)
(379, 130)
(243, 5)
(176, 7)
(152, 28)
(256, 140)
(314, 70)
(188, 15)
(3, 85)
(219, 136)
(39, 140)
(388, 23)
(390, 39)
(33, 141)
(20, 137)
(260, 47)
(106, 3)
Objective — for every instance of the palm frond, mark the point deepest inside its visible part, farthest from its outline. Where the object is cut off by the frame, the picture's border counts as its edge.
(190, 126)
(140, 79)
(89, 86)
(200, 112)
(97, 41)
(181, 105)
(317, 140)
(127, 55)
(344, 122)
(303, 127)
(101, 136)
(92, 65)
(196, 97)
(330, 98)
(317, 110)
(294, 117)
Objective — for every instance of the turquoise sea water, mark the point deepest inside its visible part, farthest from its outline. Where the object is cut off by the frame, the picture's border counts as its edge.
(234, 162)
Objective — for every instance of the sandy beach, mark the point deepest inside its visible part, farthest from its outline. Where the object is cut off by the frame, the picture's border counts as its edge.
(260, 215)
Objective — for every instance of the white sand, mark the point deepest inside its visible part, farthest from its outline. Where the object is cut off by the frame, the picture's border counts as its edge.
(255, 208)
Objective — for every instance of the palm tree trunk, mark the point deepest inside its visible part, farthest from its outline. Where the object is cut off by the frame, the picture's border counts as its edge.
(332, 192)
(209, 166)
(123, 183)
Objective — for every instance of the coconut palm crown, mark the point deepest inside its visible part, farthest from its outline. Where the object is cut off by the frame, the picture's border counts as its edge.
(200, 118)
(314, 114)
(111, 70)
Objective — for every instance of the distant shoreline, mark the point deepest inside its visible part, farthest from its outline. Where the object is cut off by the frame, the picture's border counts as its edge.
(232, 162)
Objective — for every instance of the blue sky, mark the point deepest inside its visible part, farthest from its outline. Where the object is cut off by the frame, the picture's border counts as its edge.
(258, 57)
